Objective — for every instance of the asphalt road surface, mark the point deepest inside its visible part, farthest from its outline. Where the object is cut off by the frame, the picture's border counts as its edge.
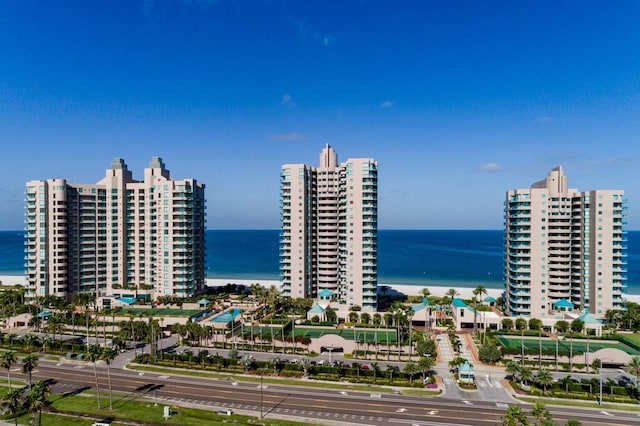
(322, 405)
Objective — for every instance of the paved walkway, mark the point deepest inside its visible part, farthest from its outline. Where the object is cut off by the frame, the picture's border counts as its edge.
(489, 379)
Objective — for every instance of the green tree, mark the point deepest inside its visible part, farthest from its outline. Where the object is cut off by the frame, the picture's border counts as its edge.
(489, 353)
(513, 368)
(478, 292)
(377, 319)
(7, 360)
(563, 326)
(573, 422)
(246, 362)
(108, 355)
(376, 371)
(29, 363)
(544, 378)
(411, 369)
(535, 324)
(306, 365)
(526, 374)
(13, 402)
(633, 368)
(541, 413)
(37, 398)
(577, 325)
(425, 364)
(521, 324)
(507, 323)
(93, 355)
(391, 370)
(426, 347)
(331, 315)
(514, 417)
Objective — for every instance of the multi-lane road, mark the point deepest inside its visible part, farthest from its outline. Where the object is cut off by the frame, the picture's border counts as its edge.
(321, 405)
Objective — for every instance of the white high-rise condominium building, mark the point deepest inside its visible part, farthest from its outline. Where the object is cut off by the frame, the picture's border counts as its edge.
(561, 243)
(329, 236)
(117, 237)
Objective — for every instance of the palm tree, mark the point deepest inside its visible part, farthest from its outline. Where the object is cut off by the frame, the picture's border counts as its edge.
(7, 359)
(513, 368)
(29, 363)
(273, 363)
(27, 340)
(246, 362)
(633, 368)
(515, 417)
(452, 293)
(540, 412)
(425, 364)
(306, 365)
(526, 374)
(392, 369)
(478, 292)
(38, 398)
(376, 371)
(544, 378)
(108, 355)
(12, 400)
(93, 355)
(411, 369)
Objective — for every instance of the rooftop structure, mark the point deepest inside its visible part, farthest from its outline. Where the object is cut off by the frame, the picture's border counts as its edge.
(117, 238)
(329, 238)
(561, 243)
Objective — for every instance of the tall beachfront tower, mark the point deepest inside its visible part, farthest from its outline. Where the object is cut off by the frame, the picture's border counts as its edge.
(329, 236)
(119, 237)
(564, 248)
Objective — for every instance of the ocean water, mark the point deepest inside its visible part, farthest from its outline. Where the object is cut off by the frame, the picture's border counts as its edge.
(409, 257)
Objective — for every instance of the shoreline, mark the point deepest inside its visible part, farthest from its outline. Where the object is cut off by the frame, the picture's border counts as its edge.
(409, 290)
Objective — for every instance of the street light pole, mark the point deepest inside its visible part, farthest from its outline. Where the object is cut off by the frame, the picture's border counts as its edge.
(600, 400)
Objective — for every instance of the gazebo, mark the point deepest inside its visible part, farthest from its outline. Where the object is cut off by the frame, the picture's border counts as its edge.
(465, 373)
(318, 310)
(591, 323)
(325, 295)
(490, 300)
(562, 305)
(203, 303)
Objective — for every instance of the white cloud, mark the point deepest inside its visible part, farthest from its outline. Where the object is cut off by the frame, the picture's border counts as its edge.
(288, 101)
(386, 104)
(489, 167)
(288, 137)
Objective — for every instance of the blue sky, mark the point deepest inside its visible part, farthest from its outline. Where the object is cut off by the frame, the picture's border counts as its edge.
(459, 101)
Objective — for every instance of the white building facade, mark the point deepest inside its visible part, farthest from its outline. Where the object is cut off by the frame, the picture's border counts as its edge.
(119, 236)
(561, 243)
(329, 237)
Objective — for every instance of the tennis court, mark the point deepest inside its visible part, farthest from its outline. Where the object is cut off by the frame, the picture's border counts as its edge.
(360, 335)
(564, 345)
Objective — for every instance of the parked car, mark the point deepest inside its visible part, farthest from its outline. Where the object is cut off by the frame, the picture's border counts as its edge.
(365, 367)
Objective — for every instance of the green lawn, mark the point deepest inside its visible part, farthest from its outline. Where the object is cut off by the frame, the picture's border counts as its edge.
(82, 410)
(634, 338)
(564, 345)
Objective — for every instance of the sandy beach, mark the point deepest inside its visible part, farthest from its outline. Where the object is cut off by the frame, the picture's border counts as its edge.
(409, 290)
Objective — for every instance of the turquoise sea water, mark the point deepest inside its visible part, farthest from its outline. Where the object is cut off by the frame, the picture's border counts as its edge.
(409, 257)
